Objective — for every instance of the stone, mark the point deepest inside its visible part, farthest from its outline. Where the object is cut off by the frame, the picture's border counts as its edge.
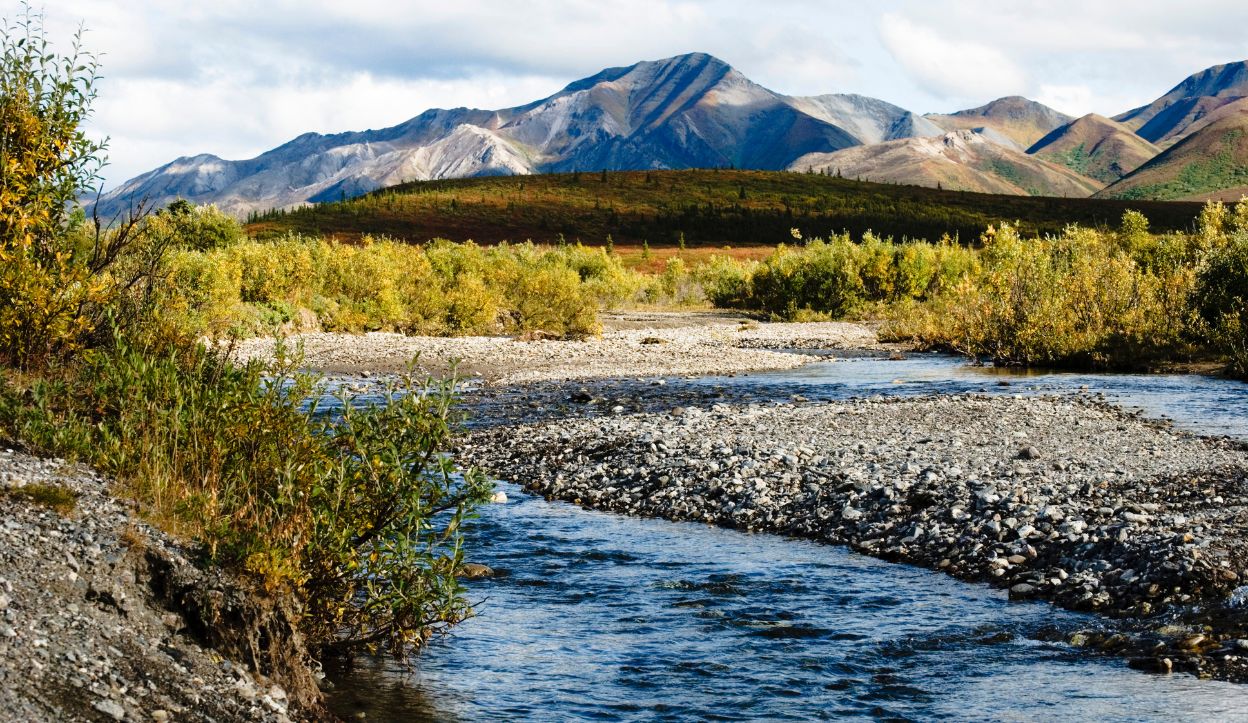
(108, 707)
(1071, 527)
(160, 716)
(851, 514)
(1151, 665)
(1021, 590)
(1191, 642)
(1029, 452)
(472, 570)
(1051, 513)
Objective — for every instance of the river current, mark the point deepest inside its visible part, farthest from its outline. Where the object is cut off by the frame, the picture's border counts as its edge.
(600, 617)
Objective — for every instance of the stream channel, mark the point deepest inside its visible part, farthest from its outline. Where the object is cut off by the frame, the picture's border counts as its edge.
(601, 617)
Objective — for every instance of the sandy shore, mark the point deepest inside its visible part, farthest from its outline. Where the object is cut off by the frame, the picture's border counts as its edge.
(645, 344)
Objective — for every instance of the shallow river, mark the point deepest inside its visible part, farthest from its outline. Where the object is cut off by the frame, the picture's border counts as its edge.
(602, 617)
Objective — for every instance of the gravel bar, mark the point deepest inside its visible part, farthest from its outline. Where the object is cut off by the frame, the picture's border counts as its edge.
(704, 349)
(1062, 499)
(93, 625)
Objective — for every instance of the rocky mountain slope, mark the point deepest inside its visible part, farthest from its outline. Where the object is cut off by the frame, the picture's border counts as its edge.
(687, 111)
(1022, 121)
(1169, 117)
(695, 111)
(1096, 147)
(961, 160)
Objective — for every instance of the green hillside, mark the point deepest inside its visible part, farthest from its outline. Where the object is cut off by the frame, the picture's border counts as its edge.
(1096, 147)
(709, 207)
(1212, 159)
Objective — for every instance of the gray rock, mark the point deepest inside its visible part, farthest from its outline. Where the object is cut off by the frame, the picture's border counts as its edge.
(1021, 590)
(108, 707)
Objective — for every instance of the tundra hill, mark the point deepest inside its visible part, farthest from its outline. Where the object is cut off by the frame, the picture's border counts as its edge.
(960, 161)
(1166, 119)
(1223, 111)
(1096, 147)
(1212, 159)
(1021, 120)
(688, 111)
(709, 207)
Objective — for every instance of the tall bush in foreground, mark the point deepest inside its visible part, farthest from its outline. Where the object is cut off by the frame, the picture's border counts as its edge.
(46, 160)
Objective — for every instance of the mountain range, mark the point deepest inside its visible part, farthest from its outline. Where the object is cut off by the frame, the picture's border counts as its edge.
(696, 111)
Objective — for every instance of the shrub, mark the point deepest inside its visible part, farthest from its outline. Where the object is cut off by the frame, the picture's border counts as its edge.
(57, 273)
(1222, 292)
(441, 288)
(356, 512)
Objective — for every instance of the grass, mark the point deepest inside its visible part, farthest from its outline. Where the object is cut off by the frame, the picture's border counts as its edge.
(50, 496)
(711, 208)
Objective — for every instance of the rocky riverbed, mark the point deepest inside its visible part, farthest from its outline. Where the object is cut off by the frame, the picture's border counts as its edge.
(1062, 499)
(103, 618)
(705, 344)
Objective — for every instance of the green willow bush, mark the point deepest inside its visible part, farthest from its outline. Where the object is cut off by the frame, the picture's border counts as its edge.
(1222, 296)
(356, 511)
(1085, 297)
(440, 288)
(58, 274)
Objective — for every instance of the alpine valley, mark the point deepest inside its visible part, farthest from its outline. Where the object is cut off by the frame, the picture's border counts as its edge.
(696, 111)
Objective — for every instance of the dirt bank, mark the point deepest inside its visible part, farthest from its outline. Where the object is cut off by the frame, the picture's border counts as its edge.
(107, 619)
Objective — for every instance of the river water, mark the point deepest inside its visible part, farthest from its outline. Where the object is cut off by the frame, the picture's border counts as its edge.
(600, 617)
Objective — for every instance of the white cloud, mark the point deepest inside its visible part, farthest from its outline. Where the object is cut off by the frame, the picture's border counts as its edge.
(1080, 100)
(947, 67)
(238, 77)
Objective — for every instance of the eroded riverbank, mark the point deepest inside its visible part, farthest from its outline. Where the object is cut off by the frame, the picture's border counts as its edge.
(106, 618)
(1066, 500)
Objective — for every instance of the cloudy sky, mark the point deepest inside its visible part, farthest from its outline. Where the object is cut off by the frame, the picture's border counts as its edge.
(236, 78)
